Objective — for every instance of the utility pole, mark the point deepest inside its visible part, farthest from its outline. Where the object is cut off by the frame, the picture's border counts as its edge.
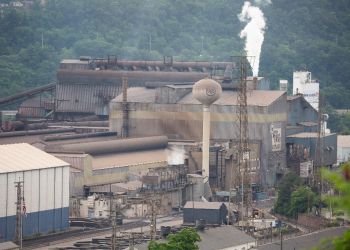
(320, 145)
(113, 218)
(131, 241)
(114, 233)
(18, 219)
(308, 200)
(192, 204)
(281, 241)
(150, 42)
(202, 43)
(153, 225)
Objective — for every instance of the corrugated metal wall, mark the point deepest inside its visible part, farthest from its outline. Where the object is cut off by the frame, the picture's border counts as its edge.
(146, 119)
(84, 97)
(213, 216)
(299, 110)
(46, 193)
(330, 141)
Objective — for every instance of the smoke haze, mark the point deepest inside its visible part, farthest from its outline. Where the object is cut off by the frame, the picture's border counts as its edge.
(253, 32)
(176, 155)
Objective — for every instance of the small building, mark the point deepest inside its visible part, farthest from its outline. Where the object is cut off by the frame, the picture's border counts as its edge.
(308, 140)
(213, 212)
(45, 190)
(33, 108)
(343, 151)
(219, 238)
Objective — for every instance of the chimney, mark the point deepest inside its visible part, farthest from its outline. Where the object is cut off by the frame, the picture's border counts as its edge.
(283, 85)
(255, 83)
(125, 127)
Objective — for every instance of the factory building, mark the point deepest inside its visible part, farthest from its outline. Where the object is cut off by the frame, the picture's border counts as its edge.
(86, 86)
(212, 212)
(45, 190)
(173, 110)
(343, 149)
(308, 140)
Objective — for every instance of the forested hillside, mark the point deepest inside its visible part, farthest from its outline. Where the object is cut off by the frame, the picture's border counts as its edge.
(310, 35)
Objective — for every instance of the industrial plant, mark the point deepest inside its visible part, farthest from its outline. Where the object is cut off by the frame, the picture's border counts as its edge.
(113, 141)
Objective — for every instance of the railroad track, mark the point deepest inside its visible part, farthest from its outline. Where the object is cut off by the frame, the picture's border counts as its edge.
(74, 235)
(50, 240)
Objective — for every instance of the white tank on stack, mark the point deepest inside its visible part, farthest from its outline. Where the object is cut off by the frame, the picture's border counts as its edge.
(206, 91)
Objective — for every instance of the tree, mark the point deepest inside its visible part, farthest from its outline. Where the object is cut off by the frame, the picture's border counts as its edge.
(341, 183)
(301, 200)
(285, 187)
(184, 240)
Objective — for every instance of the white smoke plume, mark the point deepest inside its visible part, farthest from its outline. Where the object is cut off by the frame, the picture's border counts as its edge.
(176, 155)
(253, 32)
(263, 2)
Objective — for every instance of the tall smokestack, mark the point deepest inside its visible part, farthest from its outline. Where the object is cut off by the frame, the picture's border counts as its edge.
(125, 127)
(255, 83)
(206, 91)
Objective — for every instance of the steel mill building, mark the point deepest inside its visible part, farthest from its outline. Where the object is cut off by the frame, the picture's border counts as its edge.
(45, 189)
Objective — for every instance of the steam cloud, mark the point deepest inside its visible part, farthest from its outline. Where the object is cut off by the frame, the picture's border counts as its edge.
(176, 155)
(253, 32)
(263, 2)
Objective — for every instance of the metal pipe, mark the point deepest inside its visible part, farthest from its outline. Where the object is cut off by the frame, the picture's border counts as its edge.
(206, 134)
(44, 125)
(135, 78)
(114, 146)
(125, 126)
(8, 100)
(89, 118)
(184, 66)
(13, 126)
(68, 137)
(36, 132)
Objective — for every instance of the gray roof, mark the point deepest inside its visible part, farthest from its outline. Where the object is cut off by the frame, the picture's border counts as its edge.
(217, 238)
(203, 205)
(305, 241)
(343, 141)
(35, 102)
(292, 97)
(138, 94)
(8, 245)
(308, 135)
(23, 157)
(254, 98)
(308, 124)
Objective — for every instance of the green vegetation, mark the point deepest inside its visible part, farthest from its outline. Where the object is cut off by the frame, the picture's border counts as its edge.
(332, 224)
(293, 197)
(32, 236)
(184, 240)
(341, 183)
(308, 35)
(338, 213)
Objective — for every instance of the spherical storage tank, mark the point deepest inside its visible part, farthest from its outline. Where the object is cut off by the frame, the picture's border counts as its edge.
(207, 91)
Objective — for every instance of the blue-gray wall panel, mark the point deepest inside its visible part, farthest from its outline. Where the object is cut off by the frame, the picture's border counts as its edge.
(58, 219)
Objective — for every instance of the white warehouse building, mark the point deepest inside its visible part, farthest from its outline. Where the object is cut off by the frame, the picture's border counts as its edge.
(343, 151)
(45, 190)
